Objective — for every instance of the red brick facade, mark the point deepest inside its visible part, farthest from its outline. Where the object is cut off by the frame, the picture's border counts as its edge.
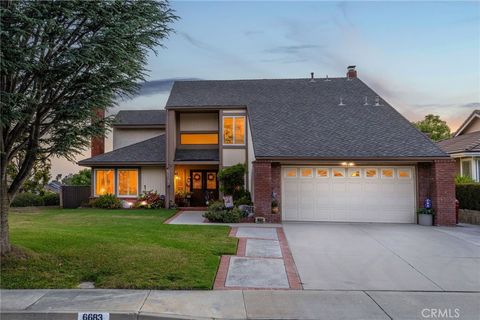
(435, 181)
(98, 143)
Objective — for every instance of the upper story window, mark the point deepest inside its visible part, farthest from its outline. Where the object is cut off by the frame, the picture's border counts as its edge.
(199, 138)
(234, 130)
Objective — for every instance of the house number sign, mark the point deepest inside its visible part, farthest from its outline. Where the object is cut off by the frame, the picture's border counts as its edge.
(93, 316)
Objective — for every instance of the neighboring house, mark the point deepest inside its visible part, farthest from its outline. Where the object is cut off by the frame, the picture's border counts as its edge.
(326, 149)
(54, 186)
(464, 147)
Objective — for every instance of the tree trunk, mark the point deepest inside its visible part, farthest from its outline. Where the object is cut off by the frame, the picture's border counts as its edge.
(5, 246)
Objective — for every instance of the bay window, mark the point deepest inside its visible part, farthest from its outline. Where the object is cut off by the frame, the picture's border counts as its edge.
(127, 182)
(104, 181)
(234, 130)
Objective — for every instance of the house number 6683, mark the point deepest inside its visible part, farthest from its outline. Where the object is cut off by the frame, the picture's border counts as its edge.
(93, 316)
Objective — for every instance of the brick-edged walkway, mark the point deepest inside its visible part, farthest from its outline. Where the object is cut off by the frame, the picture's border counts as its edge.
(234, 270)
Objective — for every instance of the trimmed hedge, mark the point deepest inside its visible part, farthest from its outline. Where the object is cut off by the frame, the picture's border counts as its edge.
(27, 199)
(51, 199)
(468, 194)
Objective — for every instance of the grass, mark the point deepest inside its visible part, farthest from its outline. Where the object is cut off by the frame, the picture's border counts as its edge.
(113, 248)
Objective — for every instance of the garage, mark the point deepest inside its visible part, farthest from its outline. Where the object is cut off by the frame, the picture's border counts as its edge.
(349, 194)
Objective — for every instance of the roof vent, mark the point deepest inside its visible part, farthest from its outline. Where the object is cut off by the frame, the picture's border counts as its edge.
(377, 101)
(326, 78)
(341, 102)
(312, 77)
(366, 101)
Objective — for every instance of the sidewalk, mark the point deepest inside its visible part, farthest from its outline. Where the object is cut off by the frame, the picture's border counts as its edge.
(234, 304)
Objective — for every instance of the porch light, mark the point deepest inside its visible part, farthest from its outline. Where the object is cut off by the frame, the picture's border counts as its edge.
(143, 203)
(130, 204)
(348, 164)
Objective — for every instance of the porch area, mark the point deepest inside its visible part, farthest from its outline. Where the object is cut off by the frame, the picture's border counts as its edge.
(195, 186)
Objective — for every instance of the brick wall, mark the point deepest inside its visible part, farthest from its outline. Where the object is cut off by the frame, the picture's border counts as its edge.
(98, 143)
(443, 191)
(266, 179)
(436, 181)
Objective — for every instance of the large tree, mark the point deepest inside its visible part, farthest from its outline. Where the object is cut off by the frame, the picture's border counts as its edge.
(434, 127)
(62, 62)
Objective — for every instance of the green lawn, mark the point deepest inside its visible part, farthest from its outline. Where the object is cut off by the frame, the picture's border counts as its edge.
(114, 249)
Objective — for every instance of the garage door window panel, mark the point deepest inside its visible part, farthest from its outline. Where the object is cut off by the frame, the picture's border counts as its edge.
(404, 173)
(387, 173)
(306, 173)
(323, 173)
(371, 173)
(291, 173)
(354, 173)
(339, 173)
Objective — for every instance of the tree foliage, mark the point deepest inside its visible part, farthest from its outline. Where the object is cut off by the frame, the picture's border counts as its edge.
(232, 180)
(434, 127)
(81, 178)
(38, 177)
(61, 62)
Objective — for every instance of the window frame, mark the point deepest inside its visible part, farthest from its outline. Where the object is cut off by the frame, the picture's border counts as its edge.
(322, 177)
(117, 182)
(234, 117)
(367, 177)
(351, 170)
(286, 176)
(385, 177)
(345, 172)
(410, 176)
(198, 133)
(301, 176)
(95, 194)
(462, 161)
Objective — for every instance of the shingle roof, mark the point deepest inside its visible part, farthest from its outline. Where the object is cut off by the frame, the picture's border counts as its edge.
(151, 151)
(297, 118)
(140, 118)
(469, 142)
(196, 155)
(467, 121)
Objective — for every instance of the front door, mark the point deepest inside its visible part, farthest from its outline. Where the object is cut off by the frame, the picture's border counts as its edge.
(204, 187)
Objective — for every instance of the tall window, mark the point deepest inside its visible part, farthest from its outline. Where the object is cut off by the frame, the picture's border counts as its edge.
(234, 130)
(127, 182)
(104, 181)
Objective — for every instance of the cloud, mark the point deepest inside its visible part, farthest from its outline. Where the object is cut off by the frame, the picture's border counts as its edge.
(472, 105)
(294, 49)
(195, 42)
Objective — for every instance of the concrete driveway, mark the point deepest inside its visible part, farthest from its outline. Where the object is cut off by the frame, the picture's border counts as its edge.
(345, 256)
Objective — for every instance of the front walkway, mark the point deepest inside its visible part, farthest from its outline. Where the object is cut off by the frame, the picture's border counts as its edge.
(263, 261)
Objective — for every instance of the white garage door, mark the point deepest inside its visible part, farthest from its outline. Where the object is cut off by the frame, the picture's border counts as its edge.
(355, 194)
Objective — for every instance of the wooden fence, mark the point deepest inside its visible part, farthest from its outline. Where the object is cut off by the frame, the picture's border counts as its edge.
(72, 197)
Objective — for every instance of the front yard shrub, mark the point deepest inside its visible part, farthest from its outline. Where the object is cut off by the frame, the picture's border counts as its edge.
(51, 199)
(232, 181)
(27, 199)
(218, 213)
(246, 199)
(107, 201)
(468, 194)
(463, 179)
(150, 200)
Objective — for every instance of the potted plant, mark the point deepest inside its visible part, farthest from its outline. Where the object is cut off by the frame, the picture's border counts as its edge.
(275, 206)
(425, 216)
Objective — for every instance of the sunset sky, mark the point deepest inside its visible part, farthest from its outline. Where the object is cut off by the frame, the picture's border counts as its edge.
(422, 57)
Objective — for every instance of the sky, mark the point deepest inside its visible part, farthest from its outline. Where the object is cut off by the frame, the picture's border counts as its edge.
(422, 57)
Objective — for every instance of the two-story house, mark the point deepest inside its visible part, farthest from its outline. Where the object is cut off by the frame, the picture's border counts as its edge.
(327, 149)
(464, 147)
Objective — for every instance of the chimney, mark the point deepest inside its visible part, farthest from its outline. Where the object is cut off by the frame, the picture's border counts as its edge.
(351, 72)
(98, 143)
(312, 77)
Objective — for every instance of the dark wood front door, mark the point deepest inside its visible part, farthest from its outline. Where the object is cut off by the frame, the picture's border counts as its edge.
(204, 187)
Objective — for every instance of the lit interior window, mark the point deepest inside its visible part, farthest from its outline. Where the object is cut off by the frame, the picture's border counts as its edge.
(404, 173)
(323, 173)
(292, 173)
(234, 130)
(371, 173)
(306, 172)
(104, 181)
(211, 180)
(339, 173)
(387, 173)
(127, 182)
(199, 138)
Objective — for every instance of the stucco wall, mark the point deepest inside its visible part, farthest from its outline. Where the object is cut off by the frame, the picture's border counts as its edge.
(473, 126)
(125, 137)
(233, 156)
(198, 121)
(153, 178)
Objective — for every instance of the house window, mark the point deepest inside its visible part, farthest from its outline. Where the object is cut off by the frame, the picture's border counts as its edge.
(127, 182)
(234, 130)
(404, 173)
(104, 181)
(199, 138)
(306, 172)
(387, 173)
(322, 173)
(371, 173)
(291, 173)
(467, 168)
(354, 173)
(339, 173)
